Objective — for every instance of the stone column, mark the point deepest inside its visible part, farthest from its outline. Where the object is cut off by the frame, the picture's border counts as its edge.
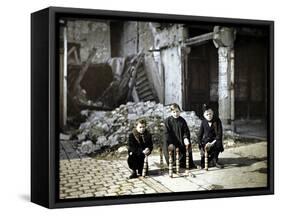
(232, 90)
(185, 52)
(224, 85)
(224, 41)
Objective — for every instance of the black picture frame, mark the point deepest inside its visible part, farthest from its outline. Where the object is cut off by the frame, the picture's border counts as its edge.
(45, 109)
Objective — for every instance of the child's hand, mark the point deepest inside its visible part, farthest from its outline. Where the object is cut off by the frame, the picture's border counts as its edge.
(146, 151)
(208, 146)
(186, 141)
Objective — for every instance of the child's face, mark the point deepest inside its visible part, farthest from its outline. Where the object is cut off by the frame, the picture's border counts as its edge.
(208, 115)
(175, 113)
(140, 128)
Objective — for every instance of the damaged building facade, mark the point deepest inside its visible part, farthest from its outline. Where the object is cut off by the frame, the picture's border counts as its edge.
(107, 63)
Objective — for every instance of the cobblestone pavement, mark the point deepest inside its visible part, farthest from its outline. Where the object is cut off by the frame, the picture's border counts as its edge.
(90, 177)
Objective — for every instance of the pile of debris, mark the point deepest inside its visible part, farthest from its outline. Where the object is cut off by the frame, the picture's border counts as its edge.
(110, 129)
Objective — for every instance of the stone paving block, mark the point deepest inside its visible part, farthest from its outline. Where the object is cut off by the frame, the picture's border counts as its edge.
(77, 177)
(107, 179)
(124, 193)
(149, 191)
(73, 180)
(126, 187)
(63, 182)
(100, 189)
(139, 183)
(122, 182)
(138, 192)
(70, 184)
(84, 188)
(70, 190)
(111, 194)
(134, 190)
(99, 194)
(127, 184)
(93, 186)
(91, 191)
(87, 184)
(76, 186)
(86, 195)
(81, 173)
(113, 190)
(107, 185)
(99, 183)
(63, 170)
(114, 186)
(84, 182)
(63, 188)
(86, 178)
(70, 197)
(62, 195)
(76, 193)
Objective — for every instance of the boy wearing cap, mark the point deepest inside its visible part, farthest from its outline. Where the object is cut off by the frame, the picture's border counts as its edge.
(139, 145)
(210, 137)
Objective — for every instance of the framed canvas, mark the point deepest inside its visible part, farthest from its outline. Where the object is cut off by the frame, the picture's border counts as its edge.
(138, 107)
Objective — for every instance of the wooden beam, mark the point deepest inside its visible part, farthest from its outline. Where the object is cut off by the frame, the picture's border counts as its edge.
(198, 40)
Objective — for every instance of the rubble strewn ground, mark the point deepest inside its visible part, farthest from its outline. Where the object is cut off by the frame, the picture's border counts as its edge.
(104, 131)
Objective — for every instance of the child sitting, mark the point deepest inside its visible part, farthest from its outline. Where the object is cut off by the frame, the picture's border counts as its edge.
(210, 137)
(177, 135)
(140, 144)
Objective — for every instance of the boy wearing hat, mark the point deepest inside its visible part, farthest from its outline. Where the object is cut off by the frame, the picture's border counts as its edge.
(139, 145)
(177, 135)
(210, 137)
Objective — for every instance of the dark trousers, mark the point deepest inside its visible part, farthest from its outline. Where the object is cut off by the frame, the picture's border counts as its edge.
(213, 155)
(135, 162)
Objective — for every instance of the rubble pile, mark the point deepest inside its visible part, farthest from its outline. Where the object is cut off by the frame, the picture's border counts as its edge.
(107, 129)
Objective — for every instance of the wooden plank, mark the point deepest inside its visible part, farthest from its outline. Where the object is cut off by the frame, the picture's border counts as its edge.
(140, 81)
(146, 94)
(149, 98)
(145, 89)
(140, 57)
(198, 40)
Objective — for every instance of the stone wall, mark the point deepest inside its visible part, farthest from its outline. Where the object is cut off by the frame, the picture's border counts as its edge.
(128, 39)
(90, 34)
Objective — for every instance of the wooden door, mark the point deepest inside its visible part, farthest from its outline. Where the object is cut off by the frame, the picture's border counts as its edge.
(197, 91)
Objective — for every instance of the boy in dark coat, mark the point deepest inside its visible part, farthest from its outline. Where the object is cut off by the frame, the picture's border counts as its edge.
(177, 135)
(140, 144)
(210, 137)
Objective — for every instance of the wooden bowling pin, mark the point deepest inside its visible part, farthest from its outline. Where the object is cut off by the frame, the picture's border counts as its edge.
(206, 160)
(177, 161)
(161, 160)
(170, 164)
(145, 166)
(187, 159)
